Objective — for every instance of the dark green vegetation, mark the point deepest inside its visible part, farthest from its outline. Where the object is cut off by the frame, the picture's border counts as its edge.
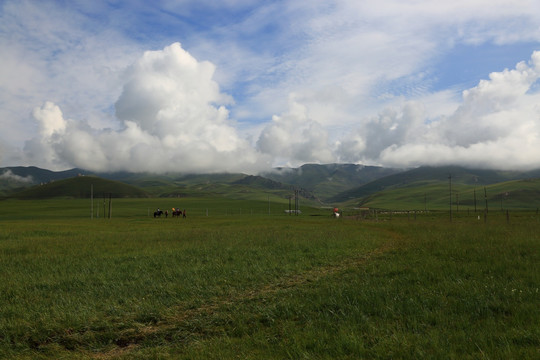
(330, 180)
(240, 283)
(513, 195)
(343, 185)
(80, 187)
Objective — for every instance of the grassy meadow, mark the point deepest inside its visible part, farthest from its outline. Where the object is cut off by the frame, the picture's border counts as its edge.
(240, 279)
(434, 195)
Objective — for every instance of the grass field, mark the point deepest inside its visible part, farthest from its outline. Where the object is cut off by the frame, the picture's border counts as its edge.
(434, 195)
(243, 280)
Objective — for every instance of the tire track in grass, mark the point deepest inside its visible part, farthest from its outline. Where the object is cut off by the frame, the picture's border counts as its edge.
(129, 340)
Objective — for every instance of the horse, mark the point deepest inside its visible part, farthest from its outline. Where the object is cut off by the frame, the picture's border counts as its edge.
(158, 213)
(177, 212)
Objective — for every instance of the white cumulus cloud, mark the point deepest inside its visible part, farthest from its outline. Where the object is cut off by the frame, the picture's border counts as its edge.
(497, 125)
(296, 137)
(173, 119)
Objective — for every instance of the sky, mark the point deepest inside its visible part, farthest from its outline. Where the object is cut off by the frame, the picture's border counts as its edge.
(244, 86)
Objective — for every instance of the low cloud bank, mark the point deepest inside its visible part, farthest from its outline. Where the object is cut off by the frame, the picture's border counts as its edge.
(10, 176)
(496, 126)
(173, 117)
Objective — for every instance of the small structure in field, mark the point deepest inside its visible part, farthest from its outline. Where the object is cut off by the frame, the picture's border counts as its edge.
(296, 212)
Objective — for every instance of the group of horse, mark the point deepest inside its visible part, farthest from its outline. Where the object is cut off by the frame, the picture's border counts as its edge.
(174, 212)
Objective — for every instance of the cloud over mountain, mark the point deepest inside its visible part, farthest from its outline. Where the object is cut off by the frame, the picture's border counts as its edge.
(497, 125)
(173, 119)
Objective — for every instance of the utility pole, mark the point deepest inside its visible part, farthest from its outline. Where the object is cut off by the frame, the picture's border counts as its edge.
(450, 197)
(91, 201)
(110, 205)
(290, 197)
(296, 204)
(485, 197)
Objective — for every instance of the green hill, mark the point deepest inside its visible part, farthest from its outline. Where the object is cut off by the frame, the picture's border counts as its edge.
(332, 184)
(37, 175)
(328, 180)
(239, 186)
(424, 176)
(436, 195)
(80, 187)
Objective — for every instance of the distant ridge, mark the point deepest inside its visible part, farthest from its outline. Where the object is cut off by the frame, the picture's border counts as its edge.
(428, 174)
(328, 180)
(315, 181)
(265, 183)
(81, 187)
(321, 183)
(39, 175)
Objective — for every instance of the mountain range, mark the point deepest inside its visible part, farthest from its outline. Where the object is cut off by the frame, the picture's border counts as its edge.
(355, 185)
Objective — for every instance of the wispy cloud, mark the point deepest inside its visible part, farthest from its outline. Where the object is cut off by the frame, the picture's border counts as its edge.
(10, 176)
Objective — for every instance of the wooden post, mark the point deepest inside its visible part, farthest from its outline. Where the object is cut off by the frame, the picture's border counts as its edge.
(91, 201)
(475, 200)
(485, 197)
(450, 184)
(296, 201)
(290, 197)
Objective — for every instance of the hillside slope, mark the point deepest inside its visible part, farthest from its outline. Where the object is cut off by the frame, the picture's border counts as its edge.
(328, 180)
(81, 187)
(427, 175)
(334, 184)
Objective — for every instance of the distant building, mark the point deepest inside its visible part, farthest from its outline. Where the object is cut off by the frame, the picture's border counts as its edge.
(293, 211)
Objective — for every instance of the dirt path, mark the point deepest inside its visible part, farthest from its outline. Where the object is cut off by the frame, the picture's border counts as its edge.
(129, 340)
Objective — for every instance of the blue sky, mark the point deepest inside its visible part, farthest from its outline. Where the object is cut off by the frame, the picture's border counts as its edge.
(244, 85)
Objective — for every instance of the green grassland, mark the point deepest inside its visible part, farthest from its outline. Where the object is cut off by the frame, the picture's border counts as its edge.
(435, 195)
(240, 279)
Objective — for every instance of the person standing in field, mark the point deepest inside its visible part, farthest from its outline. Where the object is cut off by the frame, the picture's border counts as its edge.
(184, 213)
